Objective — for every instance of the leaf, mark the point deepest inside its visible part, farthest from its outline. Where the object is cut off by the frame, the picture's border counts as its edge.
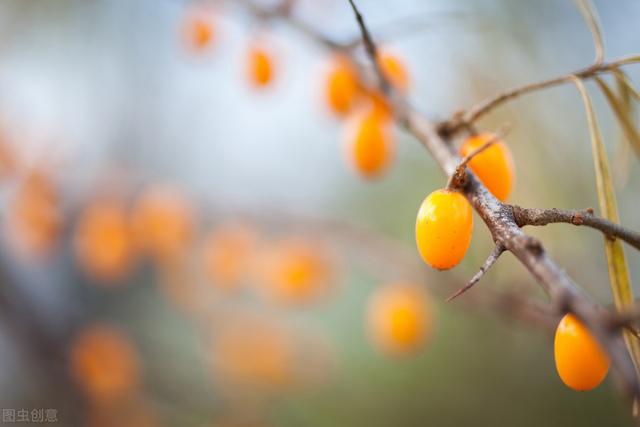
(616, 261)
(590, 17)
(624, 84)
(623, 113)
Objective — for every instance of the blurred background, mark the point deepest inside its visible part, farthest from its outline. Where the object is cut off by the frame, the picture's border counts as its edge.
(186, 242)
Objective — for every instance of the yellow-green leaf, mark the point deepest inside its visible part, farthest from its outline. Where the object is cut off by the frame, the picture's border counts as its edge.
(589, 14)
(616, 261)
(623, 113)
(625, 87)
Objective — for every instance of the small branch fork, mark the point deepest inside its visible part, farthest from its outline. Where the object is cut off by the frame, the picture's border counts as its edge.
(564, 294)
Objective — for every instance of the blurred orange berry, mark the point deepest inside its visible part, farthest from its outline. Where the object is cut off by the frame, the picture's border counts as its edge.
(400, 318)
(493, 166)
(342, 86)
(370, 144)
(103, 241)
(227, 255)
(395, 70)
(163, 222)
(252, 352)
(581, 363)
(443, 228)
(198, 29)
(104, 363)
(296, 272)
(260, 64)
(34, 215)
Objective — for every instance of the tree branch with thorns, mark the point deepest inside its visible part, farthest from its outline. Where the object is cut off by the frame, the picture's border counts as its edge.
(504, 221)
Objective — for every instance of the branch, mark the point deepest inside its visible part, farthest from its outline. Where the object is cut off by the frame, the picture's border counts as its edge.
(586, 217)
(464, 119)
(498, 217)
(371, 49)
(493, 257)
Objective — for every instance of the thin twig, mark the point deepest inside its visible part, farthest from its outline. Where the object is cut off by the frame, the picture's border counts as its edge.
(460, 120)
(493, 257)
(371, 49)
(586, 217)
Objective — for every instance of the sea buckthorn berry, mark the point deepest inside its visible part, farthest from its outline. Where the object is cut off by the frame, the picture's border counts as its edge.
(493, 166)
(34, 216)
(103, 240)
(260, 65)
(342, 86)
(443, 228)
(370, 144)
(227, 255)
(580, 361)
(400, 318)
(295, 272)
(162, 222)
(395, 71)
(104, 363)
(198, 29)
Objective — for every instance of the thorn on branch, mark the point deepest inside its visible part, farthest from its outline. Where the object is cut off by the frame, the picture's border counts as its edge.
(493, 257)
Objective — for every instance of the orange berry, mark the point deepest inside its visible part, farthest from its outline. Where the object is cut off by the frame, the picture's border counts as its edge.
(227, 255)
(104, 363)
(370, 144)
(493, 166)
(399, 318)
(395, 71)
(296, 272)
(443, 228)
(342, 86)
(580, 361)
(34, 218)
(198, 29)
(163, 222)
(260, 65)
(103, 241)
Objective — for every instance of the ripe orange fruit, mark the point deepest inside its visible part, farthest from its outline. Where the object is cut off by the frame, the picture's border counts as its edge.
(395, 71)
(399, 318)
(493, 166)
(370, 144)
(104, 363)
(580, 361)
(342, 86)
(443, 228)
(103, 241)
(295, 272)
(163, 222)
(198, 29)
(227, 255)
(34, 218)
(260, 65)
